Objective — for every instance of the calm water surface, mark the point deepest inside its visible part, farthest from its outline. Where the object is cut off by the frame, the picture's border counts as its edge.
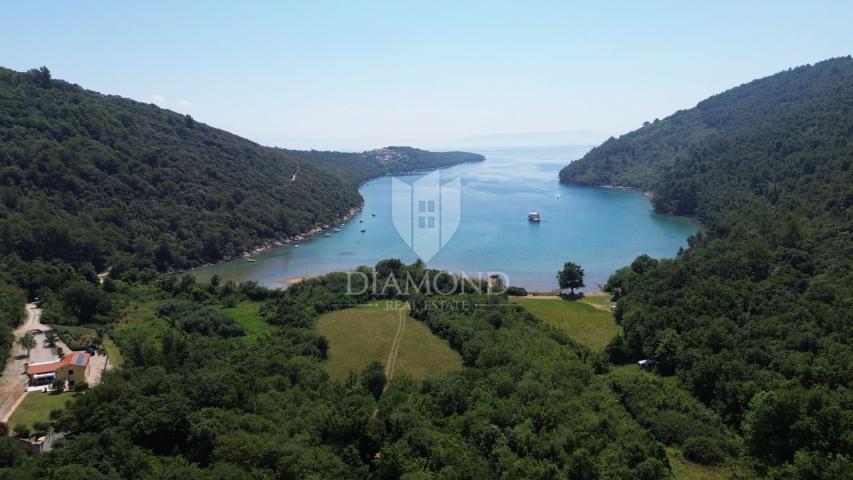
(601, 229)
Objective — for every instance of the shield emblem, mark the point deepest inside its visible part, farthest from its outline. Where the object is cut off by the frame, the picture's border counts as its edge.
(426, 214)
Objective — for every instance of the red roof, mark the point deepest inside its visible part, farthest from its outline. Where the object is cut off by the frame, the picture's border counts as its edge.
(74, 358)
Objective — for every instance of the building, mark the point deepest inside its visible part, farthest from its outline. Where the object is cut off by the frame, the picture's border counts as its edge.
(73, 368)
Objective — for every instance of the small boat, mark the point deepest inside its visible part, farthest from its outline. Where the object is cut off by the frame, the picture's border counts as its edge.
(327, 235)
(251, 260)
(557, 196)
(372, 214)
(361, 221)
(336, 230)
(363, 230)
(533, 217)
(296, 246)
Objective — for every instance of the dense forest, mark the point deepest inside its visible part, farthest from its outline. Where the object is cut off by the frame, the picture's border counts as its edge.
(749, 328)
(754, 318)
(91, 181)
(530, 402)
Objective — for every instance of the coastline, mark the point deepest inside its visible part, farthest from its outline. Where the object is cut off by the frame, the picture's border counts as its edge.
(299, 237)
(319, 228)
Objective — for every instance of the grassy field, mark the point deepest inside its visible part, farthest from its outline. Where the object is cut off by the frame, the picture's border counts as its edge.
(683, 469)
(586, 324)
(602, 302)
(36, 407)
(77, 338)
(139, 318)
(358, 336)
(113, 352)
(246, 314)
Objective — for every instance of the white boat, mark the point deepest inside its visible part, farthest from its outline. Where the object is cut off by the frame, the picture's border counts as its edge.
(327, 235)
(533, 217)
(251, 260)
(557, 196)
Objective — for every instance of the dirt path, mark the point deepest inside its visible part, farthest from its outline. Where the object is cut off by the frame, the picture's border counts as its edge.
(392, 354)
(13, 382)
(395, 348)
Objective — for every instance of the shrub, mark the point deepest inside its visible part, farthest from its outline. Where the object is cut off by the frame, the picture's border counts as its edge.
(22, 431)
(193, 317)
(516, 291)
(40, 427)
(81, 386)
(704, 450)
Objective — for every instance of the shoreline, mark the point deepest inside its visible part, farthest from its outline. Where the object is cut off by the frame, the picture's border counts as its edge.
(302, 236)
(264, 247)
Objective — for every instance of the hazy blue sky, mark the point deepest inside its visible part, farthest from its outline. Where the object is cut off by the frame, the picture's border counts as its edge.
(354, 75)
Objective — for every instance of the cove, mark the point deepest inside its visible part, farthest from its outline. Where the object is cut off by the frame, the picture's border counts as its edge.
(601, 229)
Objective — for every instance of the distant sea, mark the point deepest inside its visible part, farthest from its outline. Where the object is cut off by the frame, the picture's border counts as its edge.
(601, 229)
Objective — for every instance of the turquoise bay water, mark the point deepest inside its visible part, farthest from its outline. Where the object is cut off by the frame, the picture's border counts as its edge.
(601, 229)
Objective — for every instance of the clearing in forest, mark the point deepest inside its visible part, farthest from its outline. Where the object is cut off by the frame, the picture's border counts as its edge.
(589, 325)
(358, 336)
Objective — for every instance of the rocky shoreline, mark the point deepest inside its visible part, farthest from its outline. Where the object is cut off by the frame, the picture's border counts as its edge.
(300, 237)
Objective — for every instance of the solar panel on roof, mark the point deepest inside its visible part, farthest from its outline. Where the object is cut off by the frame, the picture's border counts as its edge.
(79, 359)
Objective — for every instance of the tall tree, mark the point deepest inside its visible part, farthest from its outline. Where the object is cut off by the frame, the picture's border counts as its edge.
(373, 378)
(570, 277)
(28, 342)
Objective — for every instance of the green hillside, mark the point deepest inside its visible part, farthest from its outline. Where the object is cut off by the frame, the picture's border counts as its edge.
(358, 167)
(91, 181)
(753, 318)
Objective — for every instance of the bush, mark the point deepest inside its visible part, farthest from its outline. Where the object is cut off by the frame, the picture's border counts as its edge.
(516, 291)
(600, 363)
(58, 384)
(192, 317)
(41, 427)
(12, 453)
(81, 387)
(22, 431)
(704, 450)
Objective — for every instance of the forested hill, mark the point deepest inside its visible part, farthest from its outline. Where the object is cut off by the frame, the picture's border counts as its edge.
(753, 141)
(358, 167)
(91, 181)
(754, 317)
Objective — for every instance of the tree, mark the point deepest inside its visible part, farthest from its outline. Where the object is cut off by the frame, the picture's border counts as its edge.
(50, 339)
(22, 430)
(373, 378)
(41, 76)
(571, 277)
(86, 302)
(28, 342)
(667, 352)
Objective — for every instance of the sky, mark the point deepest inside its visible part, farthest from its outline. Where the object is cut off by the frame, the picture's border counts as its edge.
(358, 75)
